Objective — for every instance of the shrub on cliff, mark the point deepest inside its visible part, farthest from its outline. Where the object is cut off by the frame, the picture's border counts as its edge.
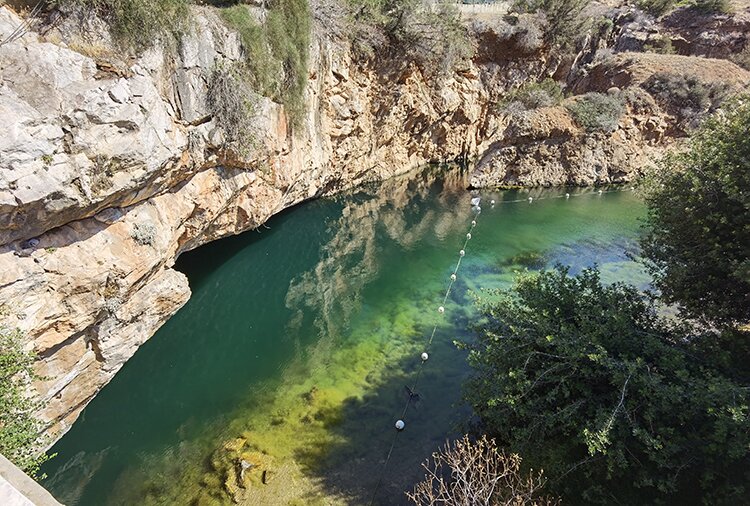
(545, 93)
(135, 23)
(19, 428)
(712, 6)
(428, 33)
(597, 112)
(698, 241)
(616, 405)
(276, 51)
(565, 22)
(232, 104)
(656, 7)
(687, 97)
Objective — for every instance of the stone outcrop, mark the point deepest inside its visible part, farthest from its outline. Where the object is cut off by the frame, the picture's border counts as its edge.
(111, 167)
(545, 147)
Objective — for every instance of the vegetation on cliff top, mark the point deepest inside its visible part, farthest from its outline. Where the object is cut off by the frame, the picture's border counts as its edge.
(276, 51)
(136, 23)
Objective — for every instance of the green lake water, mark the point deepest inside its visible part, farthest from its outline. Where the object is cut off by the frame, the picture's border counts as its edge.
(295, 348)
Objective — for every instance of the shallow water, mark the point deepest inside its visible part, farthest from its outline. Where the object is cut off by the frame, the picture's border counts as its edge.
(295, 348)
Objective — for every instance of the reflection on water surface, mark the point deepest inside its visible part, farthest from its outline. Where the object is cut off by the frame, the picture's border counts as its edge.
(295, 348)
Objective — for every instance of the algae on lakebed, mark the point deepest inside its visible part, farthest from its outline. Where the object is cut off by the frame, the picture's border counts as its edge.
(294, 351)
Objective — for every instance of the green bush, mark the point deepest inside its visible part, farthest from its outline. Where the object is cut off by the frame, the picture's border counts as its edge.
(712, 6)
(19, 428)
(545, 93)
(661, 45)
(430, 34)
(597, 112)
(687, 97)
(565, 22)
(656, 7)
(233, 106)
(277, 51)
(136, 23)
(616, 405)
(698, 241)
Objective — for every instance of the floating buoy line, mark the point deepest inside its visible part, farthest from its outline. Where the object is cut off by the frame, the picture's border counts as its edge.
(400, 424)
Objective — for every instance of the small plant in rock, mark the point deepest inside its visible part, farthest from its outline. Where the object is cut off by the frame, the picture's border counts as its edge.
(712, 6)
(743, 57)
(532, 96)
(661, 45)
(144, 234)
(478, 472)
(232, 104)
(20, 429)
(135, 23)
(47, 159)
(597, 112)
(656, 7)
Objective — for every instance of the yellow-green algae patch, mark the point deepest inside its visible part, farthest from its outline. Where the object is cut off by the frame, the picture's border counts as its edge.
(285, 432)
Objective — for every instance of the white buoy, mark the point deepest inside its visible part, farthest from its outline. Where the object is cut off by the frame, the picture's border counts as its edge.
(492, 202)
(400, 425)
(453, 276)
(441, 310)
(425, 356)
(468, 236)
(473, 223)
(475, 201)
(531, 199)
(461, 253)
(479, 209)
(600, 192)
(632, 188)
(567, 195)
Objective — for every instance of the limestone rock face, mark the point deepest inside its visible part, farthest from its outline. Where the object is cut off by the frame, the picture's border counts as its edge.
(111, 167)
(545, 147)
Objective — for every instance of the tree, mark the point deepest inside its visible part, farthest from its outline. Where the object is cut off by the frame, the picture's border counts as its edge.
(478, 473)
(618, 406)
(430, 34)
(19, 428)
(697, 245)
(565, 20)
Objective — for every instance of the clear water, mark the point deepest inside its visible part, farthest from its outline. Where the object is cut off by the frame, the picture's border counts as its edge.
(296, 345)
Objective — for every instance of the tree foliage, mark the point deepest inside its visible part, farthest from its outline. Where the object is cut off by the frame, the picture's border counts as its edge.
(698, 239)
(19, 428)
(587, 382)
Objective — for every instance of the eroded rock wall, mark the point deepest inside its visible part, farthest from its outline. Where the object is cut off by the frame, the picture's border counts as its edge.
(112, 166)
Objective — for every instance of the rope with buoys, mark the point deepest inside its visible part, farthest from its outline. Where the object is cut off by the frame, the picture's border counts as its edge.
(425, 355)
(400, 424)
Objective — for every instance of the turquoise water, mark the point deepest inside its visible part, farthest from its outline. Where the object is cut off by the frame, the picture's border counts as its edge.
(295, 348)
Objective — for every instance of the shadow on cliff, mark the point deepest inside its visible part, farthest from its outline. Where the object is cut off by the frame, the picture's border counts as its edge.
(364, 429)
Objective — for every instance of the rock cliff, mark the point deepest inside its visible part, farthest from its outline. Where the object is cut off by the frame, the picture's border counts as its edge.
(112, 166)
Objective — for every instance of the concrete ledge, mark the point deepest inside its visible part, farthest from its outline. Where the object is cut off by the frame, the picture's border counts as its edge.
(18, 489)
